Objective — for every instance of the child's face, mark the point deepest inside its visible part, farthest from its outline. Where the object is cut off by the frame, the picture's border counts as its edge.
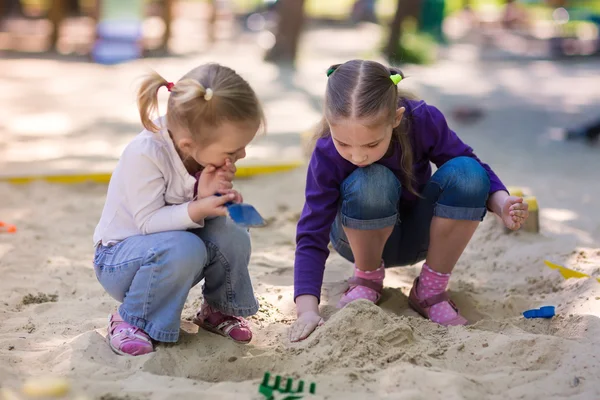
(363, 142)
(229, 142)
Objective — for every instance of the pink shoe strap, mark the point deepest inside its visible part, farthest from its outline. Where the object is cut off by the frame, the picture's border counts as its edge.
(230, 324)
(356, 281)
(438, 298)
(225, 322)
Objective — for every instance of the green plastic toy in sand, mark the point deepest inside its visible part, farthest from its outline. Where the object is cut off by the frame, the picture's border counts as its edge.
(277, 392)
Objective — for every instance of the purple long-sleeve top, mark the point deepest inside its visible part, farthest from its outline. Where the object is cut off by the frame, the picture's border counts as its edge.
(432, 141)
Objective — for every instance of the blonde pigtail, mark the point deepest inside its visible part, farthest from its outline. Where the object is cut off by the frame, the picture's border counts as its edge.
(147, 99)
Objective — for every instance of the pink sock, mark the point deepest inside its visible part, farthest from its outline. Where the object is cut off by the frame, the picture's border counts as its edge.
(362, 292)
(432, 283)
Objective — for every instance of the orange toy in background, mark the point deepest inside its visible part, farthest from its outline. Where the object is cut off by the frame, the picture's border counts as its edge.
(7, 228)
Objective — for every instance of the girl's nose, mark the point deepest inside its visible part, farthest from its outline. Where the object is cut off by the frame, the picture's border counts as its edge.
(241, 154)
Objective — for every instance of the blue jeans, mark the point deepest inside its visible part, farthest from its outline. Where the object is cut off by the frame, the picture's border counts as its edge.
(370, 199)
(151, 275)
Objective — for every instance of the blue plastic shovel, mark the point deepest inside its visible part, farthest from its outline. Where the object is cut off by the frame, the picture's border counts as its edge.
(244, 214)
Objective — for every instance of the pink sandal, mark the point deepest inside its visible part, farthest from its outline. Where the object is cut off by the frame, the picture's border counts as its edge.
(126, 339)
(365, 288)
(235, 328)
(422, 306)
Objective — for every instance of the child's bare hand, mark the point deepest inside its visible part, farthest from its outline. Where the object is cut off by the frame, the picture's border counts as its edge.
(514, 212)
(306, 323)
(212, 206)
(238, 196)
(216, 180)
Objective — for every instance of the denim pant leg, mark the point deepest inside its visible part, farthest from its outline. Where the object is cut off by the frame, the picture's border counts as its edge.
(152, 275)
(369, 200)
(459, 189)
(227, 284)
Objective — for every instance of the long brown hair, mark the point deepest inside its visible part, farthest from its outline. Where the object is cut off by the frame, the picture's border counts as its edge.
(363, 89)
(205, 96)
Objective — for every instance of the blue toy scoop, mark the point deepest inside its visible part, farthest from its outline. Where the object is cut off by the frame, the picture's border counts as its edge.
(244, 214)
(542, 312)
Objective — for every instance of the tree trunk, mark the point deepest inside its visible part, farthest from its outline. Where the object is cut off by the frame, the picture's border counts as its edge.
(291, 20)
(56, 14)
(404, 9)
(73, 7)
(212, 21)
(10, 8)
(395, 31)
(167, 15)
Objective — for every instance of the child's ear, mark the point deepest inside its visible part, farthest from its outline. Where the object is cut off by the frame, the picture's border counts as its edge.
(186, 145)
(398, 118)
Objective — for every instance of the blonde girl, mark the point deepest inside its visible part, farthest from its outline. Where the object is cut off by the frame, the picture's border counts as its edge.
(164, 229)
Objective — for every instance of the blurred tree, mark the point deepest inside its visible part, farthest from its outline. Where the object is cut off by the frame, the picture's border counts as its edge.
(73, 7)
(212, 20)
(10, 7)
(404, 9)
(432, 18)
(56, 15)
(168, 7)
(289, 27)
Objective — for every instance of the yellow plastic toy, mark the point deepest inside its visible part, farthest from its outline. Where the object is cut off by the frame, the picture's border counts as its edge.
(566, 272)
(40, 387)
(7, 394)
(515, 191)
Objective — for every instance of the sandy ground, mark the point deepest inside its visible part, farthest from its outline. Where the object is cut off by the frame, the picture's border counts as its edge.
(382, 352)
(53, 312)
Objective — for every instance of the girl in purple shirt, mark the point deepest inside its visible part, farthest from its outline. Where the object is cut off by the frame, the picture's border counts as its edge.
(371, 193)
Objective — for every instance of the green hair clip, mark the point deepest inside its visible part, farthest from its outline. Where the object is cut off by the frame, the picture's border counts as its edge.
(330, 71)
(396, 78)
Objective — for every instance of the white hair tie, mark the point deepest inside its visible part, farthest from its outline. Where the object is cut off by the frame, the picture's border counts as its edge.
(208, 95)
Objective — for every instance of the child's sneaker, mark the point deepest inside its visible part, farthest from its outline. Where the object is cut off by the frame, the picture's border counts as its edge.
(126, 339)
(235, 328)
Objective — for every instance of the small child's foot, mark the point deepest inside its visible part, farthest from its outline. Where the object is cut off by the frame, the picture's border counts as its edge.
(235, 328)
(428, 297)
(126, 339)
(365, 285)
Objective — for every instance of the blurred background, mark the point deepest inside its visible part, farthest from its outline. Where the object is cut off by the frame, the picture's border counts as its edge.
(411, 27)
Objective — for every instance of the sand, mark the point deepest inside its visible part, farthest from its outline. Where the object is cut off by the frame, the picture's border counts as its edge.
(54, 312)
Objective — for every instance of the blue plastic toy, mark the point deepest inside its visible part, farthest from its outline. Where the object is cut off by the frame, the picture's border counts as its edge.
(542, 312)
(244, 214)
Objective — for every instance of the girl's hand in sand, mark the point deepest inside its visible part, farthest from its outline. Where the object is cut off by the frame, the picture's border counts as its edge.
(514, 212)
(216, 179)
(306, 323)
(213, 206)
(308, 317)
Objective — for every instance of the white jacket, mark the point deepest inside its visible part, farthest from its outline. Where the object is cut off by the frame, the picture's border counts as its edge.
(149, 191)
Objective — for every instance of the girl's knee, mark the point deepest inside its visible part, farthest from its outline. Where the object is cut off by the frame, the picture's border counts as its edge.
(186, 252)
(238, 244)
(370, 193)
(471, 179)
